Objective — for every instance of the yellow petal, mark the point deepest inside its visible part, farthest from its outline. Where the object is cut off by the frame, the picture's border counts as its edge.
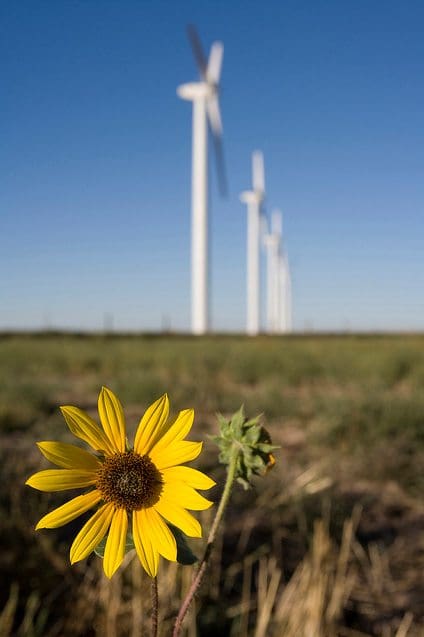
(115, 543)
(84, 427)
(177, 453)
(61, 479)
(112, 418)
(177, 431)
(159, 534)
(152, 425)
(186, 496)
(146, 551)
(92, 533)
(179, 517)
(192, 477)
(68, 456)
(69, 511)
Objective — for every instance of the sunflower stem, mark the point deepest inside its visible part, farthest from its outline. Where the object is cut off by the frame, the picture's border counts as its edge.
(155, 606)
(231, 474)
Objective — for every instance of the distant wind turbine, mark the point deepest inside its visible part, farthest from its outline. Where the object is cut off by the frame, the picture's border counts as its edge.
(278, 283)
(278, 289)
(254, 199)
(285, 320)
(274, 302)
(204, 95)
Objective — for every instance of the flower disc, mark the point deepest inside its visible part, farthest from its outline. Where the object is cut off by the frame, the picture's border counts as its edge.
(130, 481)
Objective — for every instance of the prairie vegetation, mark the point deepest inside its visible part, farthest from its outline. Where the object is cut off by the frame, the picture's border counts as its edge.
(328, 544)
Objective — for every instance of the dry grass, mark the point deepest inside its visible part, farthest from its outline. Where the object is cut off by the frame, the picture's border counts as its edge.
(329, 544)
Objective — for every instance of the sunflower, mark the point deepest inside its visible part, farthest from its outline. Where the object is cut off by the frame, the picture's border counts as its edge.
(144, 486)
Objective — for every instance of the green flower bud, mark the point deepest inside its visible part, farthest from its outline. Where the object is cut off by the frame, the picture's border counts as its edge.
(250, 440)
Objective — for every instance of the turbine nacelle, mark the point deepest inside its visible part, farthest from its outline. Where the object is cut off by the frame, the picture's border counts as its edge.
(196, 90)
(252, 197)
(271, 240)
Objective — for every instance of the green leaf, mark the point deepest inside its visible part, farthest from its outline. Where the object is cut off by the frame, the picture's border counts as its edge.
(185, 555)
(267, 448)
(129, 545)
(257, 462)
(237, 422)
(252, 435)
(245, 483)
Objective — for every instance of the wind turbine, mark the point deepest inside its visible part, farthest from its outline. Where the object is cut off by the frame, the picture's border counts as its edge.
(254, 199)
(278, 283)
(204, 95)
(274, 304)
(285, 319)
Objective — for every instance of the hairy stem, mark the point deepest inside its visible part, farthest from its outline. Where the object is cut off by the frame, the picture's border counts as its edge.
(155, 606)
(209, 545)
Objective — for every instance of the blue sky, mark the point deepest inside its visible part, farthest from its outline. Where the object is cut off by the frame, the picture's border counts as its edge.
(96, 150)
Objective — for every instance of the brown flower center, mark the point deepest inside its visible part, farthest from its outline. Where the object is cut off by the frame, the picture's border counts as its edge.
(129, 480)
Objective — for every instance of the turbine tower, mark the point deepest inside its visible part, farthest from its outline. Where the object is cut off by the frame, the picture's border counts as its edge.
(204, 95)
(254, 199)
(285, 319)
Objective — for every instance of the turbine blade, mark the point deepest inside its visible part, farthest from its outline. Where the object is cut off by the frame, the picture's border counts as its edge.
(214, 115)
(197, 49)
(258, 172)
(277, 222)
(215, 122)
(213, 72)
(220, 166)
(263, 221)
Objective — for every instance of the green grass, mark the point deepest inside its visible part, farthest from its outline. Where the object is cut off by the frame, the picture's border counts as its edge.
(349, 395)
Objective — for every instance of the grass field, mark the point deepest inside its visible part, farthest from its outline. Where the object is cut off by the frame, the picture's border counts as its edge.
(330, 543)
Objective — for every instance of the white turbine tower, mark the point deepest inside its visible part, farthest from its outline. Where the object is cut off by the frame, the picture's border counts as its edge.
(204, 95)
(254, 199)
(285, 291)
(278, 283)
(272, 243)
